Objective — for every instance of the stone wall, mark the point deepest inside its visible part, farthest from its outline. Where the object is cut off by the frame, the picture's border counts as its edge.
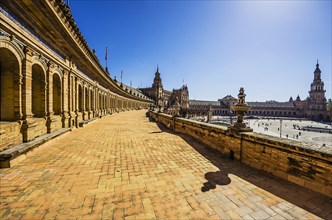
(10, 134)
(284, 158)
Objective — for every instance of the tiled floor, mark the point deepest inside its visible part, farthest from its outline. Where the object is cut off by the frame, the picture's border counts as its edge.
(123, 166)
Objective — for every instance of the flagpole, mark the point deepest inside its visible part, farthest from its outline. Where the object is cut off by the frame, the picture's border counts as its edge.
(106, 56)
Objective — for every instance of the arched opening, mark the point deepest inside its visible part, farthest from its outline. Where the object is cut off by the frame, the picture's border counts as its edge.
(9, 68)
(99, 104)
(38, 91)
(86, 98)
(56, 94)
(80, 98)
(92, 100)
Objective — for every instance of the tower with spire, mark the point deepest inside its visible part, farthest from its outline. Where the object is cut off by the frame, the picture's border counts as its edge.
(157, 83)
(165, 99)
(317, 100)
(157, 86)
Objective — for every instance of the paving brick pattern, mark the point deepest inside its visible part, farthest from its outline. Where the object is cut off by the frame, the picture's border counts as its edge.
(125, 167)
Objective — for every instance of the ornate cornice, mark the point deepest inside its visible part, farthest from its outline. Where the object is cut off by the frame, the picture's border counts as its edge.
(64, 13)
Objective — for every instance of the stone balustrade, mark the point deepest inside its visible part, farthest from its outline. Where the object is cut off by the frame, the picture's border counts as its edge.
(287, 159)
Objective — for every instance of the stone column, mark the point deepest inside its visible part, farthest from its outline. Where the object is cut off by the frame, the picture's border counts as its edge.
(104, 104)
(75, 93)
(113, 104)
(95, 95)
(108, 103)
(49, 97)
(98, 101)
(49, 90)
(65, 100)
(28, 123)
(116, 104)
(19, 96)
(92, 100)
(70, 98)
(27, 83)
(89, 102)
(83, 101)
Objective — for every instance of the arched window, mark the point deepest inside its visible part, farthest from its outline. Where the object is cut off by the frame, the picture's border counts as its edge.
(80, 98)
(56, 94)
(9, 68)
(86, 98)
(92, 100)
(99, 95)
(38, 91)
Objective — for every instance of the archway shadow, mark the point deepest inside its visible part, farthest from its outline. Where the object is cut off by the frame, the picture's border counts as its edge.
(309, 200)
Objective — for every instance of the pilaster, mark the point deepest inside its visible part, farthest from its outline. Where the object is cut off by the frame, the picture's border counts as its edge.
(28, 122)
(49, 90)
(27, 83)
(49, 98)
(83, 101)
(65, 103)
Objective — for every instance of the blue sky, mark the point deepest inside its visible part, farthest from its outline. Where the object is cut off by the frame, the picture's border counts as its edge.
(215, 47)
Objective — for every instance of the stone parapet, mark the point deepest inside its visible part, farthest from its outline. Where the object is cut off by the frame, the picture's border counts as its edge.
(11, 156)
(287, 159)
(10, 134)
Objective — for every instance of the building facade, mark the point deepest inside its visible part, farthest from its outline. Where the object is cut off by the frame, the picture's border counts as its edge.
(314, 107)
(50, 78)
(166, 98)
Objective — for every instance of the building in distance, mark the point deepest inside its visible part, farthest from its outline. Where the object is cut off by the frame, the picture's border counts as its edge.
(165, 98)
(314, 107)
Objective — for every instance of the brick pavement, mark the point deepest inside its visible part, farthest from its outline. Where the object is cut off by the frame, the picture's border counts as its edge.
(123, 166)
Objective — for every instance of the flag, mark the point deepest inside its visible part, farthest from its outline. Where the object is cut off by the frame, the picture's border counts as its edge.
(106, 54)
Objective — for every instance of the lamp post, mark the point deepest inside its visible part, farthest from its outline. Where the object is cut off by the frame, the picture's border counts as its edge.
(280, 127)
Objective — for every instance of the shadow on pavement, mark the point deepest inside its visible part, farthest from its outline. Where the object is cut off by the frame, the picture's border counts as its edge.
(308, 200)
(215, 178)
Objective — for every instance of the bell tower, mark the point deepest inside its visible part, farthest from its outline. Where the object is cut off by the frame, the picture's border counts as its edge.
(158, 88)
(317, 100)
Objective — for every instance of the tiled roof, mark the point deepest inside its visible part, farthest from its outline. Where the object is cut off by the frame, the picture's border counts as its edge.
(271, 104)
(203, 102)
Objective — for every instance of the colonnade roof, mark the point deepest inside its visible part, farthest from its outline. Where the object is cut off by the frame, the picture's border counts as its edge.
(52, 22)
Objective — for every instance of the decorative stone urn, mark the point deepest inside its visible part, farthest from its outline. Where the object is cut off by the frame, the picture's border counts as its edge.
(240, 108)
